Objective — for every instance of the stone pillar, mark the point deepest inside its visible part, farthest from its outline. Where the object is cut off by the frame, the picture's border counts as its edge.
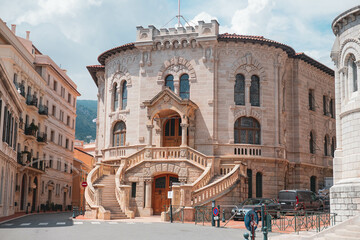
(149, 128)
(184, 127)
(247, 91)
(148, 211)
(98, 193)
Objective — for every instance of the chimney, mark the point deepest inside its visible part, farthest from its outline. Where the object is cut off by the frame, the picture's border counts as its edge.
(27, 35)
(13, 28)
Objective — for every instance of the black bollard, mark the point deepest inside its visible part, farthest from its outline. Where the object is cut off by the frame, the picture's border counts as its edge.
(171, 214)
(218, 217)
(223, 216)
(265, 233)
(246, 236)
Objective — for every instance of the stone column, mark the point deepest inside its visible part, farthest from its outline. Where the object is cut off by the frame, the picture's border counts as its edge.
(148, 211)
(149, 128)
(184, 127)
(247, 91)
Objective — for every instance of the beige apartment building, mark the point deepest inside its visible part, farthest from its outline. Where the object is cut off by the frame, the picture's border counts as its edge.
(207, 116)
(43, 127)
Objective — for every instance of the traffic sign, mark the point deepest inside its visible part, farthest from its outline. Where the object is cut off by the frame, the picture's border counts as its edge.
(84, 184)
(251, 220)
(216, 211)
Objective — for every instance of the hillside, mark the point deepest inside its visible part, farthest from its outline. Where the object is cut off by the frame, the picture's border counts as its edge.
(85, 128)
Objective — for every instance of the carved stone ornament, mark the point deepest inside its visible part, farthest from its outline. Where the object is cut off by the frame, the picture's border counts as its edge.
(183, 153)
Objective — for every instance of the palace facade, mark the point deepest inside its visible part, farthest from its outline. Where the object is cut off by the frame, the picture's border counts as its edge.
(207, 116)
(37, 112)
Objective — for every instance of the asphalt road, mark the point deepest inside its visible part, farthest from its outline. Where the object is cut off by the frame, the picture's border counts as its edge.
(60, 226)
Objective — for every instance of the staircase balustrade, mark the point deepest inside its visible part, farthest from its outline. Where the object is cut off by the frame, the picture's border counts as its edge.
(122, 192)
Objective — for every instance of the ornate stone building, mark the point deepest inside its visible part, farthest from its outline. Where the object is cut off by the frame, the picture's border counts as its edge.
(209, 116)
(37, 136)
(345, 194)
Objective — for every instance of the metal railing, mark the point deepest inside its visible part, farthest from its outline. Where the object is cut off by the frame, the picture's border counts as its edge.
(43, 110)
(174, 212)
(203, 214)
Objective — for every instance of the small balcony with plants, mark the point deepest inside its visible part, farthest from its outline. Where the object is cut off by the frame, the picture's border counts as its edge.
(25, 159)
(42, 138)
(21, 90)
(43, 110)
(32, 101)
(30, 131)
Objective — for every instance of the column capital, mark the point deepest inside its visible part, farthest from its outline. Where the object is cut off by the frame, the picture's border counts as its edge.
(150, 126)
(148, 179)
(184, 125)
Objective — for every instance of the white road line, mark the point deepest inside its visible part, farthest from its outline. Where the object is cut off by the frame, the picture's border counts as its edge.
(8, 224)
(113, 222)
(78, 222)
(95, 222)
(60, 223)
(25, 224)
(130, 223)
(43, 224)
(147, 222)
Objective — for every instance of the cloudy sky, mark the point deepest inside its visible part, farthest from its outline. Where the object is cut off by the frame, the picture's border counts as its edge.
(75, 32)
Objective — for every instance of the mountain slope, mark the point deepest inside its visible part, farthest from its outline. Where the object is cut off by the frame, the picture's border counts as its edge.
(85, 128)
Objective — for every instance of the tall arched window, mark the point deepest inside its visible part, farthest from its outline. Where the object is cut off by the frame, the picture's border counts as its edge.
(333, 141)
(326, 143)
(313, 183)
(124, 95)
(239, 90)
(169, 82)
(247, 130)
(353, 69)
(115, 97)
(119, 134)
(258, 185)
(255, 91)
(311, 143)
(249, 175)
(184, 86)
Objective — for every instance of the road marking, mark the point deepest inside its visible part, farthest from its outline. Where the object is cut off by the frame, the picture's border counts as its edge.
(147, 222)
(8, 224)
(95, 222)
(130, 223)
(78, 223)
(43, 224)
(25, 224)
(113, 222)
(60, 223)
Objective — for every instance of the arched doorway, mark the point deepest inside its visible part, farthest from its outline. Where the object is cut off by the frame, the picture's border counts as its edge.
(161, 185)
(34, 201)
(172, 131)
(23, 193)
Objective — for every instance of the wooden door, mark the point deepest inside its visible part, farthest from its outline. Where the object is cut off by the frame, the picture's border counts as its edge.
(172, 133)
(161, 186)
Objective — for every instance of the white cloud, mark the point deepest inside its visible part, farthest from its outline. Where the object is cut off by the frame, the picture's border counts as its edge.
(203, 16)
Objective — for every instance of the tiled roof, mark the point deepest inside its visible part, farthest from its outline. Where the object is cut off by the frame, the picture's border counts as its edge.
(93, 69)
(112, 51)
(314, 63)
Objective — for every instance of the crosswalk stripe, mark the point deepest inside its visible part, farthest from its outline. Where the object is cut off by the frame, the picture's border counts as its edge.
(113, 222)
(130, 223)
(78, 223)
(147, 222)
(25, 224)
(60, 223)
(8, 224)
(43, 224)
(95, 222)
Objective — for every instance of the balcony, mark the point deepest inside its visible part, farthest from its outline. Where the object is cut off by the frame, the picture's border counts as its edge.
(42, 138)
(29, 162)
(31, 100)
(43, 110)
(30, 130)
(21, 90)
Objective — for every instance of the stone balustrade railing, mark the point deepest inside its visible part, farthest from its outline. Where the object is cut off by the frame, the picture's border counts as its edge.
(226, 168)
(116, 153)
(204, 179)
(250, 150)
(90, 190)
(122, 192)
(208, 192)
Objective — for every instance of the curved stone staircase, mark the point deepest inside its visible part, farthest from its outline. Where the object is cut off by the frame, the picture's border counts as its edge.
(109, 201)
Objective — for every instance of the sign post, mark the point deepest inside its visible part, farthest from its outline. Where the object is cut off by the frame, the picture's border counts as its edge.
(251, 222)
(212, 215)
(84, 184)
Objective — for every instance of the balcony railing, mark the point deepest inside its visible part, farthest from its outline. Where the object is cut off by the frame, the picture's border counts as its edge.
(30, 131)
(43, 110)
(31, 100)
(42, 137)
(22, 90)
(29, 161)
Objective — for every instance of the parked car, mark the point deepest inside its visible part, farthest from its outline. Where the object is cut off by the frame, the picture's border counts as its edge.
(299, 200)
(240, 211)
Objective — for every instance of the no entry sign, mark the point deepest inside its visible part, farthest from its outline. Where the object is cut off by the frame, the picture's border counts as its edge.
(84, 184)
(216, 211)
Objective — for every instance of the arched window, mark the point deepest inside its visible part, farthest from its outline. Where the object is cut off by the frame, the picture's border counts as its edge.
(311, 143)
(239, 90)
(124, 95)
(326, 143)
(184, 87)
(255, 91)
(258, 185)
(353, 69)
(333, 141)
(249, 175)
(115, 97)
(313, 183)
(119, 134)
(169, 82)
(247, 130)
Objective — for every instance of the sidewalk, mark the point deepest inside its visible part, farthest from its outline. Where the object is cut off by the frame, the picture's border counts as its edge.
(23, 214)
